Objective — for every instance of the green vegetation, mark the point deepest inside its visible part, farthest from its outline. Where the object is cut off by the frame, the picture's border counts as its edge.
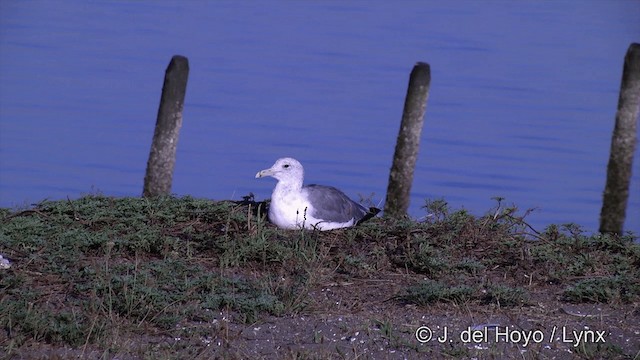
(92, 272)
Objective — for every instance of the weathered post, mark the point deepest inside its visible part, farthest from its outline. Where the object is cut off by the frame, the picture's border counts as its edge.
(162, 157)
(623, 144)
(408, 142)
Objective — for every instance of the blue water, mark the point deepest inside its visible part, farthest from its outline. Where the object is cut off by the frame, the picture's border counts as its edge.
(522, 103)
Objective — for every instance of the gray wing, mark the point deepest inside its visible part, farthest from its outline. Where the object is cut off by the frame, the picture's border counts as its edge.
(331, 204)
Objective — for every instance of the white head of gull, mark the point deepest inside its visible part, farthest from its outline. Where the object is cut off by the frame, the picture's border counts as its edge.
(294, 206)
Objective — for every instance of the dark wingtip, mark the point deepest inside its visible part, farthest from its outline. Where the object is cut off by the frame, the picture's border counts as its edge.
(373, 211)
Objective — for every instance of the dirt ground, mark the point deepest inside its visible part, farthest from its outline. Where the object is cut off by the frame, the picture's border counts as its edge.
(360, 319)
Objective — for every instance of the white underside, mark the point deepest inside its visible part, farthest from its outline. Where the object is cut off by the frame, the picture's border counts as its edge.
(291, 211)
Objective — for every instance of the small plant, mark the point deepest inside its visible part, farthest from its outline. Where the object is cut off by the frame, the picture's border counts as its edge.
(603, 290)
(504, 296)
(429, 292)
(470, 266)
(427, 259)
(437, 210)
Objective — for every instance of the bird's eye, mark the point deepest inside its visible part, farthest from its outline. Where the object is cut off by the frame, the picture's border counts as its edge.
(285, 166)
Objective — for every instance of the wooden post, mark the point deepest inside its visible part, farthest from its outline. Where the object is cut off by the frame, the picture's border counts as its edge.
(408, 142)
(162, 157)
(623, 143)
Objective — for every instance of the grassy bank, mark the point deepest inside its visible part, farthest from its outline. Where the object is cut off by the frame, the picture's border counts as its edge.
(101, 277)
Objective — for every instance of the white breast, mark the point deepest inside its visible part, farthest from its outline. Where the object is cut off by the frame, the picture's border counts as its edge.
(288, 210)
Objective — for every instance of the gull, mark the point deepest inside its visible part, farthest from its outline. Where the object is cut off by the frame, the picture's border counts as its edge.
(294, 206)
